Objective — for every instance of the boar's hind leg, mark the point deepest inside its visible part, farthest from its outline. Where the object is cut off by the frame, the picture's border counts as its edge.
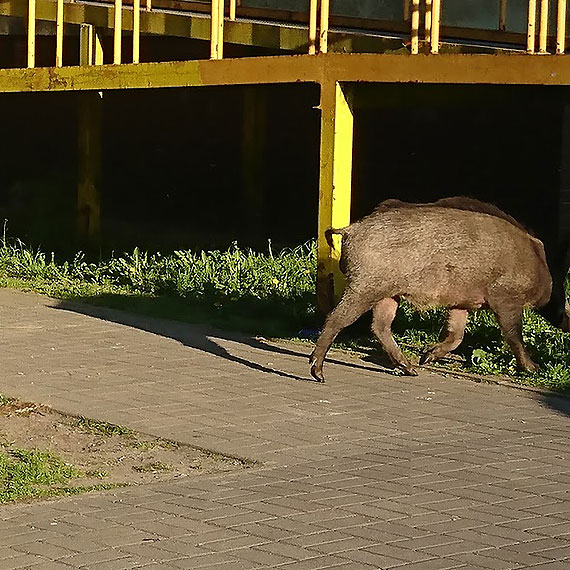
(350, 307)
(454, 330)
(510, 321)
(383, 314)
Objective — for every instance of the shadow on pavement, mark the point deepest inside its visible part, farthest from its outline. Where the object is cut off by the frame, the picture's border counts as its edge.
(557, 403)
(200, 337)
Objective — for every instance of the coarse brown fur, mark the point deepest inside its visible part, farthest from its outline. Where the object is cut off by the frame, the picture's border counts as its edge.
(458, 253)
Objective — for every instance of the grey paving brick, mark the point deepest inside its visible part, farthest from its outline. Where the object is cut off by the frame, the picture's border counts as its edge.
(360, 473)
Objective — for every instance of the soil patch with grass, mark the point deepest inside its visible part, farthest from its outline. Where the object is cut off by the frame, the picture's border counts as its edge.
(44, 453)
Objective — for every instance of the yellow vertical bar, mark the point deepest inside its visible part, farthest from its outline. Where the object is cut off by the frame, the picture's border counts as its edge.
(334, 187)
(89, 168)
(31, 33)
(324, 36)
(427, 20)
(415, 45)
(313, 10)
(561, 27)
(97, 47)
(148, 5)
(233, 4)
(221, 29)
(531, 26)
(59, 34)
(86, 44)
(214, 30)
(118, 31)
(136, 30)
(435, 24)
(543, 34)
(502, 15)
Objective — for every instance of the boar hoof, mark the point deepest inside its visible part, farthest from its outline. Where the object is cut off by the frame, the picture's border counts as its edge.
(427, 357)
(317, 374)
(408, 370)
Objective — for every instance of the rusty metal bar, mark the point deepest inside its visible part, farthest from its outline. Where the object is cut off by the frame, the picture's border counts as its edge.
(313, 10)
(428, 20)
(136, 30)
(435, 23)
(31, 33)
(415, 43)
(543, 33)
(324, 28)
(561, 27)
(118, 27)
(531, 26)
(59, 34)
(502, 15)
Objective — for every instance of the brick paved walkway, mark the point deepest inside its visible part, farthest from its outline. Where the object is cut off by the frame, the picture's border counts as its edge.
(367, 471)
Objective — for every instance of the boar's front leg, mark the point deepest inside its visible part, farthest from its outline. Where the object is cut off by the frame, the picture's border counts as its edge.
(454, 331)
(383, 314)
(350, 307)
(510, 321)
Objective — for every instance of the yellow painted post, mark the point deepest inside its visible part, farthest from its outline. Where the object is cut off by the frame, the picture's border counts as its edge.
(221, 4)
(97, 47)
(436, 21)
(334, 187)
(324, 27)
(543, 34)
(118, 27)
(136, 30)
(214, 30)
(561, 27)
(415, 45)
(86, 44)
(233, 4)
(31, 33)
(531, 26)
(89, 168)
(148, 5)
(59, 34)
(313, 10)
(427, 20)
(253, 153)
(502, 15)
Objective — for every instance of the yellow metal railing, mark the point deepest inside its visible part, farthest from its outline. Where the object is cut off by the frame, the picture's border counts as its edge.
(423, 17)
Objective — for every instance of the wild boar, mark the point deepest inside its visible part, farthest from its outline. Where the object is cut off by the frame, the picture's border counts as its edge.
(437, 256)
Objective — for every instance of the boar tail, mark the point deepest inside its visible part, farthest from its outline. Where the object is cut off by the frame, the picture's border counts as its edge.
(329, 234)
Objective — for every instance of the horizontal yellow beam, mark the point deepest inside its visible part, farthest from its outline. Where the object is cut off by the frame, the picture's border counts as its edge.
(372, 68)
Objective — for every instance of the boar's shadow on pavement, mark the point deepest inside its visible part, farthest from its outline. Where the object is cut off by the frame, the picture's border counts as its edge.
(197, 336)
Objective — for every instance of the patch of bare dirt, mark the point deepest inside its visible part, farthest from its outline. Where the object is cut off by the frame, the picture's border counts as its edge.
(105, 453)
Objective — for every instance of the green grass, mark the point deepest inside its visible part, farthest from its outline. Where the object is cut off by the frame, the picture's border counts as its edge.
(267, 294)
(30, 474)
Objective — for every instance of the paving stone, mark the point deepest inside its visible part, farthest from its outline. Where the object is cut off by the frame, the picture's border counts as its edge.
(360, 473)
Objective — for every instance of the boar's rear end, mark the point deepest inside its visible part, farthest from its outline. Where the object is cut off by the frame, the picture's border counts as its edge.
(436, 256)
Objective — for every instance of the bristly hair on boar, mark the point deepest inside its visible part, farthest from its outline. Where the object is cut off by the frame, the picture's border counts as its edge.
(458, 253)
